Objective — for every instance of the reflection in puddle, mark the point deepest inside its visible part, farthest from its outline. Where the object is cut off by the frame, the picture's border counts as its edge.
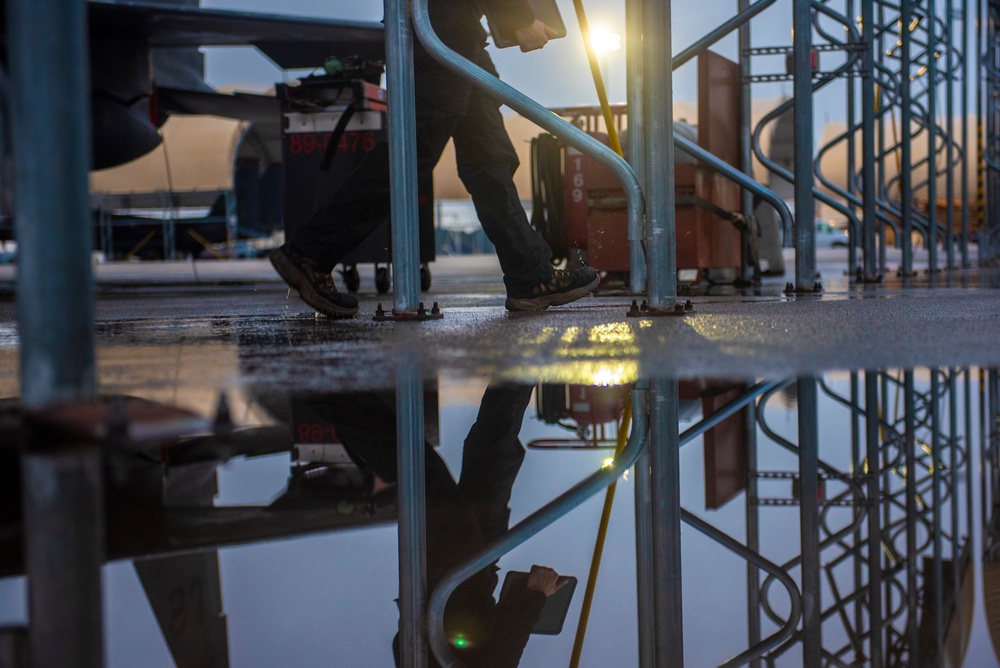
(894, 572)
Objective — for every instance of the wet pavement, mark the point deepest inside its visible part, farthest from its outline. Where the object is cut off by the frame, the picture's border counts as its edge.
(295, 560)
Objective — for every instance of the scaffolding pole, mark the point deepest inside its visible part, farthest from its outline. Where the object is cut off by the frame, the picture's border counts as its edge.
(402, 157)
(805, 207)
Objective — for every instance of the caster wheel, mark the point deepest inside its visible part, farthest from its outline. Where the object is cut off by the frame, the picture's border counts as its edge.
(351, 277)
(382, 279)
(425, 279)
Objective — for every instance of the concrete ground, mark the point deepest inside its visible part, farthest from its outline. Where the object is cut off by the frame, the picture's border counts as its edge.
(948, 319)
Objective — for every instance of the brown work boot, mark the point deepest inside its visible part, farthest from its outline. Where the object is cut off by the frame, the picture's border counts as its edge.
(562, 287)
(314, 286)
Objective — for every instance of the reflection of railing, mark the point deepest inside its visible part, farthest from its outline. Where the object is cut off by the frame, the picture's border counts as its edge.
(531, 525)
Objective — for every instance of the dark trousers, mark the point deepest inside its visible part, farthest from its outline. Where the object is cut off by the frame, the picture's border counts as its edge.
(486, 164)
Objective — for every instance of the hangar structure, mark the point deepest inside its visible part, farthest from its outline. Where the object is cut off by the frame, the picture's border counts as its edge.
(922, 93)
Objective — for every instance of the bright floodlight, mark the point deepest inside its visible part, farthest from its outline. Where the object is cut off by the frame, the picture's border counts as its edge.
(604, 41)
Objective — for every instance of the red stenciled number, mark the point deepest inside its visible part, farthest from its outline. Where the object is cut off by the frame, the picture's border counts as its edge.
(309, 143)
(303, 433)
(295, 143)
(368, 141)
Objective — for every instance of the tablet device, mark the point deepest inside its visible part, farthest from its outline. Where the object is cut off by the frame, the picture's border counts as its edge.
(545, 11)
(550, 621)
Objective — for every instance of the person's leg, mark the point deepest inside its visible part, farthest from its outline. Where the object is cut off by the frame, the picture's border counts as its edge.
(492, 456)
(362, 201)
(486, 162)
(358, 206)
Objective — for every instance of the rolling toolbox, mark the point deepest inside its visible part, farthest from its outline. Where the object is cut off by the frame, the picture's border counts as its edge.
(320, 147)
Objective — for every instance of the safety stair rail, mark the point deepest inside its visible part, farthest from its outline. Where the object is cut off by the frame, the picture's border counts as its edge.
(534, 523)
(738, 177)
(536, 113)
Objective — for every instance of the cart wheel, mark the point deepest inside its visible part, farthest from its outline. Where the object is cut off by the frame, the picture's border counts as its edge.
(351, 277)
(382, 279)
(425, 278)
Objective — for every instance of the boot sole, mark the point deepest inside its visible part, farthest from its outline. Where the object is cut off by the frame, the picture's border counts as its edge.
(297, 280)
(555, 299)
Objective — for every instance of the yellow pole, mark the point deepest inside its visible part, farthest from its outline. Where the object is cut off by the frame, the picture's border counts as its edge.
(602, 532)
(595, 71)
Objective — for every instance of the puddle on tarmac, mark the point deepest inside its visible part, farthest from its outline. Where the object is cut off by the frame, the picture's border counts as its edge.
(307, 568)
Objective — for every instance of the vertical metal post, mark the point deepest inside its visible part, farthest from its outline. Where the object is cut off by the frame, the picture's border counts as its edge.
(966, 147)
(805, 207)
(906, 133)
(949, 94)
(746, 114)
(851, 183)
(635, 86)
(812, 623)
(910, 445)
(661, 243)
(644, 560)
(402, 157)
(874, 528)
(63, 508)
(753, 532)
(980, 167)
(232, 222)
(664, 445)
(412, 520)
(55, 306)
(932, 135)
(868, 186)
(880, 129)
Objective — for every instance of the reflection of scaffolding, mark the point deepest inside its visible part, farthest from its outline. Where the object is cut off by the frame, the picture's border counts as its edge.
(912, 513)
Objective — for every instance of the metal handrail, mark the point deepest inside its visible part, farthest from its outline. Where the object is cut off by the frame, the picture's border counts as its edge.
(531, 525)
(714, 36)
(738, 177)
(534, 112)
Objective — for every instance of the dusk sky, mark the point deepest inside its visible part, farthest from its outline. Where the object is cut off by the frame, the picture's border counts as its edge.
(557, 75)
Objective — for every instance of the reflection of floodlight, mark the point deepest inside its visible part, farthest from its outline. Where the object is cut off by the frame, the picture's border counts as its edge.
(605, 41)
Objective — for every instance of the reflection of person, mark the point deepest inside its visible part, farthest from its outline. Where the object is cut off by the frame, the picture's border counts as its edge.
(446, 107)
(462, 517)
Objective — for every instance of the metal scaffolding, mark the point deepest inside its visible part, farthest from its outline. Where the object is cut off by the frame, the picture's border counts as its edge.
(899, 171)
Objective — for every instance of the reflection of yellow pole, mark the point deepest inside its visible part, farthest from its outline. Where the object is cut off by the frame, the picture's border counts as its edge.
(139, 246)
(602, 532)
(205, 243)
(595, 71)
